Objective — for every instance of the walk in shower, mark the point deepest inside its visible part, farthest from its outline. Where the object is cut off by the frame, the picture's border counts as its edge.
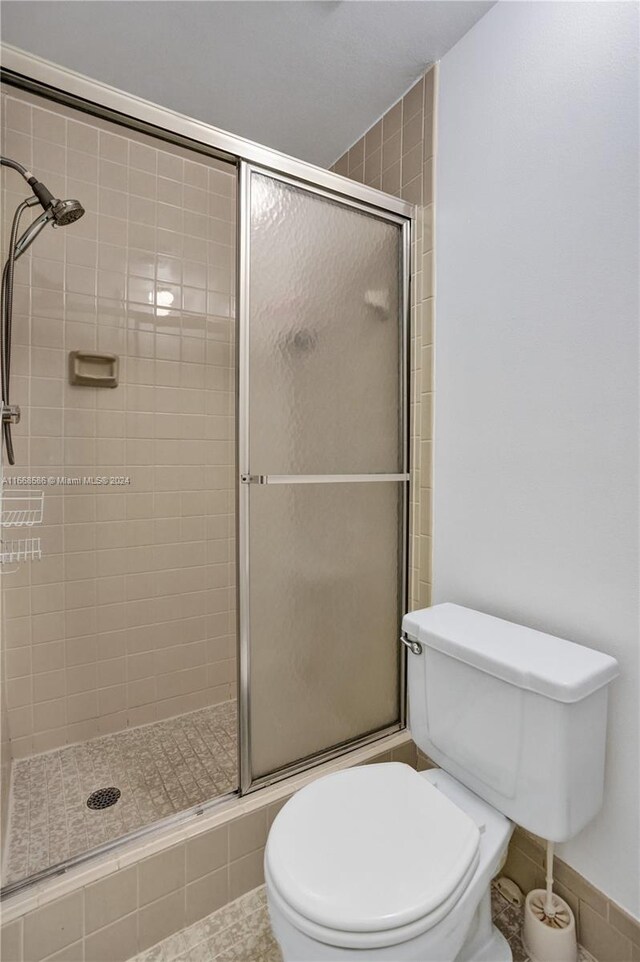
(212, 371)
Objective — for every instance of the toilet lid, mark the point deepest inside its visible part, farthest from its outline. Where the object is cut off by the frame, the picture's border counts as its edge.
(370, 848)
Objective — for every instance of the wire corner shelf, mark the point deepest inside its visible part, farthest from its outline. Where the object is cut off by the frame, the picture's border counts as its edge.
(21, 509)
(20, 549)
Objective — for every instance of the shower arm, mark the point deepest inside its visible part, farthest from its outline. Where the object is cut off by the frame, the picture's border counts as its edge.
(42, 193)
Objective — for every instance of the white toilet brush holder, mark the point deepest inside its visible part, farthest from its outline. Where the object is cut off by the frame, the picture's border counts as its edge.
(549, 929)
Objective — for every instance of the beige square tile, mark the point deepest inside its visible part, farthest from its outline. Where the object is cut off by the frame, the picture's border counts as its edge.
(580, 887)
(412, 132)
(392, 121)
(114, 943)
(52, 927)
(110, 898)
(412, 192)
(17, 115)
(391, 179)
(81, 136)
(206, 895)
(71, 953)
(527, 874)
(246, 873)
(246, 834)
(273, 810)
(207, 852)
(599, 938)
(412, 102)
(356, 155)
(113, 147)
(373, 139)
(161, 918)
(161, 874)
(357, 174)
(412, 164)
(391, 152)
(624, 923)
(373, 166)
(11, 942)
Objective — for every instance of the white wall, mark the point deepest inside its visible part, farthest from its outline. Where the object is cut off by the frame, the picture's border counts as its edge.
(536, 450)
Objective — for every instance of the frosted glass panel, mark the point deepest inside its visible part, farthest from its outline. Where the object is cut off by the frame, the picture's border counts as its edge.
(325, 610)
(324, 335)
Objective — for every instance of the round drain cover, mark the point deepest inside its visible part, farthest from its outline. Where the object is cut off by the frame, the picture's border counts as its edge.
(103, 798)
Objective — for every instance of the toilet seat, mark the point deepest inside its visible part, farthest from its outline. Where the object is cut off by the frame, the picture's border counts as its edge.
(368, 940)
(406, 854)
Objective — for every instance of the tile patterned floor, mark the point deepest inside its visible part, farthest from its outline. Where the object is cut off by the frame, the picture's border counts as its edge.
(160, 769)
(240, 932)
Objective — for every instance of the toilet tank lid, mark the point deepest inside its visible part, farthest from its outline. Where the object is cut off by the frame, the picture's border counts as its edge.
(550, 666)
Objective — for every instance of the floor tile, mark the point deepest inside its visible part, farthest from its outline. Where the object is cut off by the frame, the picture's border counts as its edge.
(240, 932)
(160, 769)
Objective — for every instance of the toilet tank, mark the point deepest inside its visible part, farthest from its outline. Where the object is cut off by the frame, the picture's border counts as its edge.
(516, 715)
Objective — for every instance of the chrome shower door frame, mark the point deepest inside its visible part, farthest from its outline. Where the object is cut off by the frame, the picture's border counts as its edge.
(249, 783)
(93, 98)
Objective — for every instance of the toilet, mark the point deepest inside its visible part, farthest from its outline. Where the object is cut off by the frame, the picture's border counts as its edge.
(381, 862)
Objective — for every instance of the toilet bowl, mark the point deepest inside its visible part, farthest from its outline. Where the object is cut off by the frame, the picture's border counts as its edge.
(384, 863)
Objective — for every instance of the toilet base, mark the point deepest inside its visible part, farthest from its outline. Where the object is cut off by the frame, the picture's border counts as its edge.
(495, 949)
(483, 943)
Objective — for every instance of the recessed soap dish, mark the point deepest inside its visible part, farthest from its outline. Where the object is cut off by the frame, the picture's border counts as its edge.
(89, 369)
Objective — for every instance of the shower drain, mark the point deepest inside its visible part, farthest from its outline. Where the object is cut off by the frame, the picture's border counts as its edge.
(103, 798)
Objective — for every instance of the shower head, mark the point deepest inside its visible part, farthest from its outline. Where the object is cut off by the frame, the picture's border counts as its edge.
(66, 212)
(62, 212)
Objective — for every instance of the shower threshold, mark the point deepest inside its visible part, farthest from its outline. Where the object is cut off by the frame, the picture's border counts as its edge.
(160, 769)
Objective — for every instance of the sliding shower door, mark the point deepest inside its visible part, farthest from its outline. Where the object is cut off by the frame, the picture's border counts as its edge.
(322, 462)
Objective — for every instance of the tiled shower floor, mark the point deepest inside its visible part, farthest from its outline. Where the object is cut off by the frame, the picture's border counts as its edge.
(240, 932)
(160, 769)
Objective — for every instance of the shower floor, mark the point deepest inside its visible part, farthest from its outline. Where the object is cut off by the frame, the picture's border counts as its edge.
(161, 768)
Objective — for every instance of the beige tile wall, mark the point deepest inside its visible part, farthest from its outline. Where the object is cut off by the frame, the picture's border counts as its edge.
(129, 616)
(149, 899)
(5, 745)
(397, 155)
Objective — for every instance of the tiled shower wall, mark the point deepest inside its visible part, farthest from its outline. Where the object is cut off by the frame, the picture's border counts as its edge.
(397, 156)
(128, 618)
(5, 749)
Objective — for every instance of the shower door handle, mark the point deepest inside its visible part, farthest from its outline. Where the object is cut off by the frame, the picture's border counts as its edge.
(319, 478)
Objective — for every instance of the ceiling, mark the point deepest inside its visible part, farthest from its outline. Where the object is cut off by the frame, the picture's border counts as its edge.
(307, 78)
